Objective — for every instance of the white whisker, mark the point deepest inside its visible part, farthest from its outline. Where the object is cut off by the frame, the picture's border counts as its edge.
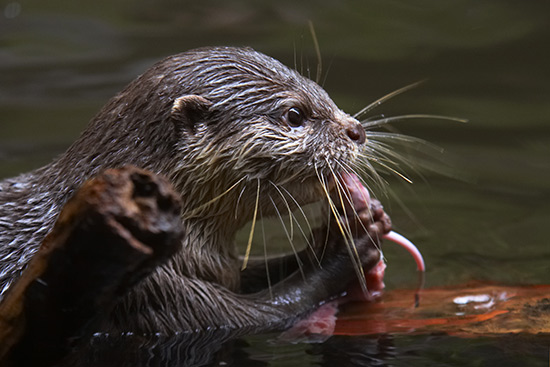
(317, 52)
(367, 124)
(383, 99)
(347, 235)
(251, 235)
(198, 209)
(291, 217)
(290, 241)
(310, 230)
(239, 200)
(268, 276)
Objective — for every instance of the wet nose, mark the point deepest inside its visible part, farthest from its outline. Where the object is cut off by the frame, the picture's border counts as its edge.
(356, 132)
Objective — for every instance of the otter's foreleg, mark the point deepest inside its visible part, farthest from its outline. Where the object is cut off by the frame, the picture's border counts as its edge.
(190, 303)
(262, 273)
(326, 277)
(315, 280)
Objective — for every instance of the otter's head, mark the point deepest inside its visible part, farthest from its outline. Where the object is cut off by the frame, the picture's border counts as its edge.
(244, 117)
(221, 122)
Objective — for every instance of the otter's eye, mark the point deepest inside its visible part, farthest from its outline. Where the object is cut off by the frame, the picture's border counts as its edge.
(295, 117)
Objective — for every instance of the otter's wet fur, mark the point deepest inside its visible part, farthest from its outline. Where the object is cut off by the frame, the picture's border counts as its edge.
(238, 134)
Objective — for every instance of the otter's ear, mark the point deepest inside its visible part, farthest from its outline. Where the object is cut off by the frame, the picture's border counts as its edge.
(188, 110)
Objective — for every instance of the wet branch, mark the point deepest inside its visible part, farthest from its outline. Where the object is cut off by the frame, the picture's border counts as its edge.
(116, 229)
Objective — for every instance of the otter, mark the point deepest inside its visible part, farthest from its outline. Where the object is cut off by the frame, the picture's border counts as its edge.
(239, 135)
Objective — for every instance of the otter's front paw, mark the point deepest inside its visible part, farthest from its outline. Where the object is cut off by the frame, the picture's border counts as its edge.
(359, 221)
(359, 233)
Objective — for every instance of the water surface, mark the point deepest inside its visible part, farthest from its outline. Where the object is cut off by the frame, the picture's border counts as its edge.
(482, 214)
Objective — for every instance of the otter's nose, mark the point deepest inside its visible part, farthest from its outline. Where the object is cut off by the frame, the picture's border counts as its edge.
(356, 132)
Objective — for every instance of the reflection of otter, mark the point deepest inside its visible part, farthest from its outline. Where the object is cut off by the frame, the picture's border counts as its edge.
(239, 135)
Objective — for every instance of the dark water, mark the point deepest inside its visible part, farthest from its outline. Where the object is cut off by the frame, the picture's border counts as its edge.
(487, 218)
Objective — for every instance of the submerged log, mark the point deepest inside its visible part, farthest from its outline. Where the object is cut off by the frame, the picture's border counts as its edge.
(115, 230)
(468, 310)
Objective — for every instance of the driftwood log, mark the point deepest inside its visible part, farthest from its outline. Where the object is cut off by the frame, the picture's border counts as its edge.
(115, 230)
